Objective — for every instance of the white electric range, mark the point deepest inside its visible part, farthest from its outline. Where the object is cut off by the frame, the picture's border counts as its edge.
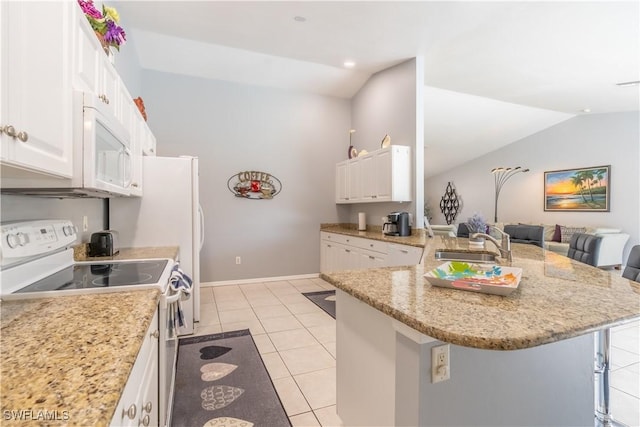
(36, 261)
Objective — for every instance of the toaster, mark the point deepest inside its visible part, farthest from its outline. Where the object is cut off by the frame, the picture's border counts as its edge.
(104, 243)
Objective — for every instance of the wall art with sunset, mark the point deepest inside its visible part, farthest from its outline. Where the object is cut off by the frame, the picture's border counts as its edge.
(586, 189)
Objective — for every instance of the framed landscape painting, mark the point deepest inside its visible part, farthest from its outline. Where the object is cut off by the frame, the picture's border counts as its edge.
(575, 190)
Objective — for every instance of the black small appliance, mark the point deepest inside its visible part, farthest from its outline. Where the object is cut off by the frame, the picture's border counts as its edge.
(397, 224)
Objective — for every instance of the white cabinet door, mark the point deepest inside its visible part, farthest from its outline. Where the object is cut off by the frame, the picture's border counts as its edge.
(133, 121)
(342, 182)
(35, 104)
(383, 177)
(147, 138)
(368, 173)
(86, 54)
(355, 180)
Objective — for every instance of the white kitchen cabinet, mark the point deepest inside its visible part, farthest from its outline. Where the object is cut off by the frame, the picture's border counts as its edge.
(148, 140)
(342, 252)
(139, 401)
(381, 176)
(35, 88)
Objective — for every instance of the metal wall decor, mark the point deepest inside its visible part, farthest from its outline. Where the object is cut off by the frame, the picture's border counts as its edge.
(449, 204)
(254, 185)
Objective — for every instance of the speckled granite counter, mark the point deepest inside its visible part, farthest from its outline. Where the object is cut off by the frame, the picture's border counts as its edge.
(417, 237)
(558, 298)
(70, 357)
(80, 253)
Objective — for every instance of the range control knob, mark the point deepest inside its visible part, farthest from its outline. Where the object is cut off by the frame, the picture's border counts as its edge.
(12, 240)
(23, 239)
(68, 230)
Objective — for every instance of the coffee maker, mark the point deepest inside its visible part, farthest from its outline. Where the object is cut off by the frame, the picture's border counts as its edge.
(397, 224)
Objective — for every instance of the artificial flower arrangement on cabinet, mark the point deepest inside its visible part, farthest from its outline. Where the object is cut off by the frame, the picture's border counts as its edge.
(105, 25)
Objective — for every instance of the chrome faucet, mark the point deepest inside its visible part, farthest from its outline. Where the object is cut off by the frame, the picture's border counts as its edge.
(504, 247)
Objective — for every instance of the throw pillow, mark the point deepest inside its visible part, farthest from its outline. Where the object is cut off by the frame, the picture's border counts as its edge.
(568, 232)
(556, 234)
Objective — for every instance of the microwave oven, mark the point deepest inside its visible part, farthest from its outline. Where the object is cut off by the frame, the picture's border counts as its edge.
(102, 159)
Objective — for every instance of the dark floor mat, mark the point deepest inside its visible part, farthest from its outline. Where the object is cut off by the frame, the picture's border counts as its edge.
(326, 300)
(221, 380)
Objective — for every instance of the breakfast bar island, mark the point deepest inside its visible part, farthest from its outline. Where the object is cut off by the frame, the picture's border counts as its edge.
(527, 358)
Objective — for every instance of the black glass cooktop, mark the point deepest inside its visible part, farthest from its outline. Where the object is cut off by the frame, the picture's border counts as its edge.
(85, 276)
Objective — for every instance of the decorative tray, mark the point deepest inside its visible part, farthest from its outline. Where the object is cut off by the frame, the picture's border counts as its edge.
(484, 278)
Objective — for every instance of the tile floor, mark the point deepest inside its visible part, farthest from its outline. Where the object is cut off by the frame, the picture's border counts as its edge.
(297, 342)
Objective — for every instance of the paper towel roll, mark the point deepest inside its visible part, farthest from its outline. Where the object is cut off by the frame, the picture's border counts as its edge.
(362, 221)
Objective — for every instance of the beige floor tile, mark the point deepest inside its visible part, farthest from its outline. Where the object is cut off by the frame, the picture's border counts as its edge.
(275, 366)
(293, 299)
(283, 323)
(206, 295)
(627, 341)
(304, 420)
(330, 347)
(209, 314)
(318, 387)
(232, 304)
(625, 408)
(287, 340)
(241, 315)
(291, 397)
(303, 307)
(627, 380)
(328, 416)
(311, 287)
(207, 329)
(254, 326)
(264, 344)
(621, 358)
(250, 287)
(317, 318)
(324, 333)
(264, 301)
(307, 359)
(223, 292)
(301, 282)
(269, 311)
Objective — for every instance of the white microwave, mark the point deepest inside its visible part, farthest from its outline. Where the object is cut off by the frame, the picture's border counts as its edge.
(106, 155)
(102, 162)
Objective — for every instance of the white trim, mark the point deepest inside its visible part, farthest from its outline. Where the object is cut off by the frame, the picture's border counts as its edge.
(258, 280)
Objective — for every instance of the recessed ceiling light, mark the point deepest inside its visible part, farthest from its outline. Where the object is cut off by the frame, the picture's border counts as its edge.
(634, 83)
(299, 18)
(349, 64)
(586, 110)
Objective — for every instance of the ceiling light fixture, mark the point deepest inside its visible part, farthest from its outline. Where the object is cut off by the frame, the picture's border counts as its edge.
(625, 84)
(349, 64)
(299, 18)
(586, 110)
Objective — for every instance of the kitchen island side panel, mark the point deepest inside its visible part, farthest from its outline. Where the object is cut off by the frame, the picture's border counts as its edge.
(550, 384)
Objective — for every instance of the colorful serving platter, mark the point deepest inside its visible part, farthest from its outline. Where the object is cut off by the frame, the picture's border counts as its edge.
(485, 278)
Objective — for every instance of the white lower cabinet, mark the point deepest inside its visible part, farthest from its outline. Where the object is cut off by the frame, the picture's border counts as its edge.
(341, 252)
(138, 404)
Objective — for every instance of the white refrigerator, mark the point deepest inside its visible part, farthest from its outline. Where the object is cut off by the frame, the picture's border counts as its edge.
(167, 214)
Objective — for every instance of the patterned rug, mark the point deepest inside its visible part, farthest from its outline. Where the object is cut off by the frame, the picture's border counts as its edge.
(221, 381)
(326, 300)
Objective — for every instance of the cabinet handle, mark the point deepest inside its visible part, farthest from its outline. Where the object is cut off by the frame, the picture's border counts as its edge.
(155, 334)
(152, 150)
(144, 421)
(372, 257)
(22, 136)
(329, 246)
(104, 99)
(371, 245)
(10, 130)
(347, 250)
(148, 407)
(134, 184)
(404, 251)
(131, 412)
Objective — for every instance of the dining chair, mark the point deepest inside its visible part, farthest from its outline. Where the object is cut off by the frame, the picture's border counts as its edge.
(632, 269)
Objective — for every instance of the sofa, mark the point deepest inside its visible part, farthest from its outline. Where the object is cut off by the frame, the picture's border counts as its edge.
(556, 238)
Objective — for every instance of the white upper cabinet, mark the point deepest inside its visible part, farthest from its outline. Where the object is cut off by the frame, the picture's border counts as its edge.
(381, 176)
(35, 88)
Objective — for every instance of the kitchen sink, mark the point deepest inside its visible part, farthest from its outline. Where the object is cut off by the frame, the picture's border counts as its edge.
(443, 255)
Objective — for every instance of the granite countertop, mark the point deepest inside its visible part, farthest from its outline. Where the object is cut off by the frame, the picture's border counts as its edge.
(417, 238)
(80, 253)
(70, 356)
(558, 298)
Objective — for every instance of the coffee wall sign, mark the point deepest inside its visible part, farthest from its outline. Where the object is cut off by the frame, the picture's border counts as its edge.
(254, 185)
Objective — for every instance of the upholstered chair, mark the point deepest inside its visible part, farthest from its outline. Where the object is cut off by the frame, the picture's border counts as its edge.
(522, 233)
(463, 230)
(585, 248)
(632, 269)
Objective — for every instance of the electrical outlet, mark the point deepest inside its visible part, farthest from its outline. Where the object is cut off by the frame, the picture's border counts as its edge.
(85, 223)
(238, 260)
(440, 367)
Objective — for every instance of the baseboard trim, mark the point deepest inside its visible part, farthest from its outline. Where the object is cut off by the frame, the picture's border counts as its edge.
(258, 280)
